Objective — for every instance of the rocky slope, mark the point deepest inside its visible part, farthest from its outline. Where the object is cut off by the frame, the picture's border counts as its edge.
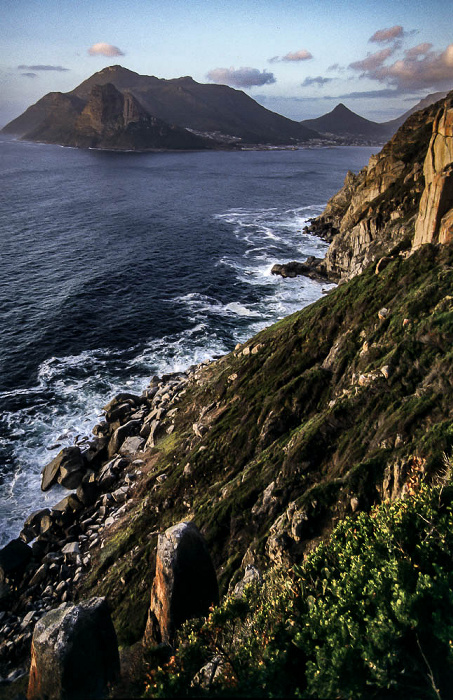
(335, 408)
(376, 210)
(225, 114)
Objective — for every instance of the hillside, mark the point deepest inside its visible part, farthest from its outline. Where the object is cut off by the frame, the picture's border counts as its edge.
(343, 406)
(227, 115)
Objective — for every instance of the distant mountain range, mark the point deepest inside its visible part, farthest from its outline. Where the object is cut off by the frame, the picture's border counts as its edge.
(117, 108)
(344, 123)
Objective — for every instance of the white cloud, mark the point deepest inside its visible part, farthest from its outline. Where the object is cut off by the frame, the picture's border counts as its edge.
(103, 49)
(242, 77)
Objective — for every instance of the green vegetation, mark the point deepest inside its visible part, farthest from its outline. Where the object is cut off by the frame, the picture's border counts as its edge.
(368, 614)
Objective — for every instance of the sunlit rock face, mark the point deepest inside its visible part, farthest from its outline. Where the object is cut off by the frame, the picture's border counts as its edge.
(435, 218)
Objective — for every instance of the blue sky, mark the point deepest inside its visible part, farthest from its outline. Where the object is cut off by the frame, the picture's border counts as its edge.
(299, 58)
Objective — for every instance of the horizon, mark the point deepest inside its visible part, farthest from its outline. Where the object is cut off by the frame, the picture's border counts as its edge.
(298, 60)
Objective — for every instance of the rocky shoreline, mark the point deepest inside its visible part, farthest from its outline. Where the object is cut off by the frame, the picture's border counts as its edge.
(45, 565)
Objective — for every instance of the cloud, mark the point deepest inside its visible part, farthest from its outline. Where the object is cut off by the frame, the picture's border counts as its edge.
(293, 56)
(373, 61)
(370, 94)
(319, 80)
(421, 68)
(103, 49)
(302, 55)
(29, 75)
(416, 51)
(40, 67)
(385, 35)
(242, 77)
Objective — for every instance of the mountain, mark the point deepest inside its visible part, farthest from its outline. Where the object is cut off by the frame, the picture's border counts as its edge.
(341, 121)
(315, 459)
(110, 119)
(216, 111)
(427, 101)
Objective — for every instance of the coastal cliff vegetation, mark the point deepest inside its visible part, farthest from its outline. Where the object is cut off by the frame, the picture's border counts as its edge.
(315, 461)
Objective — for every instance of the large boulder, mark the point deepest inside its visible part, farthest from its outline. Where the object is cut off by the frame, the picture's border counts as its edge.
(130, 428)
(185, 583)
(74, 654)
(14, 557)
(67, 468)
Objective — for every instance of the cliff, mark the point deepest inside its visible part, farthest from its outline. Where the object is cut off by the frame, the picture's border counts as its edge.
(382, 207)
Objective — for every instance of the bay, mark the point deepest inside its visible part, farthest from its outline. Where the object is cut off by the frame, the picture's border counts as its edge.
(118, 266)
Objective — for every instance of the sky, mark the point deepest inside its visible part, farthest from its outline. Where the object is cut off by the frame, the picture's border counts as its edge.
(296, 57)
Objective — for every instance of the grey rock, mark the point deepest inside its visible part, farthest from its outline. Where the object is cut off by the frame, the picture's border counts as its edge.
(74, 653)
(67, 461)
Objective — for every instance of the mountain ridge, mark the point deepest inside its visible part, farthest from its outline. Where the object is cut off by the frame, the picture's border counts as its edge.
(215, 111)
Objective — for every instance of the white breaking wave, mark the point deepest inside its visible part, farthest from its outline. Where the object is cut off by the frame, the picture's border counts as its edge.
(70, 392)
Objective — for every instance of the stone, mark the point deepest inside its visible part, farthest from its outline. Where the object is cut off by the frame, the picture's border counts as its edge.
(251, 575)
(67, 461)
(383, 313)
(74, 653)
(132, 427)
(68, 505)
(14, 557)
(185, 583)
(122, 398)
(131, 445)
(35, 520)
(154, 433)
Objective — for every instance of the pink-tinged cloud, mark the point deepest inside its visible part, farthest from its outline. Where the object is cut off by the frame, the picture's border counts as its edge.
(103, 49)
(241, 78)
(385, 35)
(421, 68)
(372, 61)
(293, 56)
(302, 55)
(416, 51)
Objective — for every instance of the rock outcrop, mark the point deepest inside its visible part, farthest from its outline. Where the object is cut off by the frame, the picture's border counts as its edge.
(376, 210)
(74, 653)
(435, 218)
(185, 583)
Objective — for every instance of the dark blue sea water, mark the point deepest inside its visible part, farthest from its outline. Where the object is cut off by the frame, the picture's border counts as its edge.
(115, 267)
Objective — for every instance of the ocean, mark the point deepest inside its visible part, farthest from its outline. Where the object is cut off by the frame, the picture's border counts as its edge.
(119, 266)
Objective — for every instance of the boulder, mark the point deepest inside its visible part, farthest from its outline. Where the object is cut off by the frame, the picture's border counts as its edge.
(123, 398)
(14, 557)
(131, 445)
(185, 583)
(74, 653)
(132, 427)
(35, 520)
(66, 468)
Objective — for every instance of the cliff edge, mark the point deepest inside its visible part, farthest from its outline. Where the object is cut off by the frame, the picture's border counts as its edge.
(401, 199)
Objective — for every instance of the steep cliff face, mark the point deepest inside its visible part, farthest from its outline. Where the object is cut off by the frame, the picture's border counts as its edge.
(435, 218)
(382, 206)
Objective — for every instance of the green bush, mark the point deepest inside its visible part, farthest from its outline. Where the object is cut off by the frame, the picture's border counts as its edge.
(368, 614)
